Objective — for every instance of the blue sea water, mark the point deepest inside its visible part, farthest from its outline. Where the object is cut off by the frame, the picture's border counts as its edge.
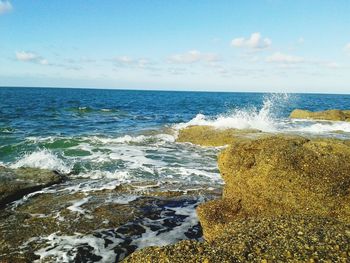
(105, 138)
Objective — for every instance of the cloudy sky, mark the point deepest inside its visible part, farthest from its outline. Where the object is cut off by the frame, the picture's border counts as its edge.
(265, 45)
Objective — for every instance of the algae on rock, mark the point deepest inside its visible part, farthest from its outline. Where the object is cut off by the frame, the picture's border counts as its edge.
(281, 175)
(286, 198)
(210, 136)
(331, 115)
(276, 239)
(15, 183)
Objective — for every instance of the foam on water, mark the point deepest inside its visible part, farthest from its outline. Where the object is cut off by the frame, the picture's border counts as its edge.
(76, 205)
(43, 159)
(172, 221)
(268, 119)
(320, 127)
(251, 118)
(65, 248)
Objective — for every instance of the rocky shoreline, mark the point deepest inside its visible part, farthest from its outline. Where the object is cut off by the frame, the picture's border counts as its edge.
(286, 198)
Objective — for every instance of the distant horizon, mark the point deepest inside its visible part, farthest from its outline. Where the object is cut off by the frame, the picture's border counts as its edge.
(291, 46)
(170, 90)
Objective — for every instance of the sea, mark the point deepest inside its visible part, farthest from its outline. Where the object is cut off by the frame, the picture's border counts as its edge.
(101, 139)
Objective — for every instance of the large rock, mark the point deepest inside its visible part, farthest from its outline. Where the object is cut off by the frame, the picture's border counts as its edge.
(331, 115)
(15, 183)
(210, 136)
(281, 175)
(286, 199)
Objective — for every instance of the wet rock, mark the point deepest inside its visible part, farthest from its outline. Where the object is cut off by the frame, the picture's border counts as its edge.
(280, 175)
(273, 239)
(331, 115)
(104, 214)
(15, 183)
(210, 136)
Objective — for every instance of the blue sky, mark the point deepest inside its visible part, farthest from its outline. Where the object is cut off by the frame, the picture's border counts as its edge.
(266, 45)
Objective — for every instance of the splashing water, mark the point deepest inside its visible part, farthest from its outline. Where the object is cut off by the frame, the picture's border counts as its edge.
(43, 159)
(264, 119)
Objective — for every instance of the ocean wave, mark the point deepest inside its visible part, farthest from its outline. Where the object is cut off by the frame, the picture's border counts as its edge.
(263, 119)
(43, 159)
(132, 139)
(268, 119)
(320, 127)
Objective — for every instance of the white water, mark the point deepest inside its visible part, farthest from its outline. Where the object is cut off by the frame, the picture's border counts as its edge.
(43, 159)
(155, 160)
(266, 119)
(63, 248)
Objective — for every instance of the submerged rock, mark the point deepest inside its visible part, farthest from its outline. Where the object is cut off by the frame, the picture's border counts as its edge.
(210, 136)
(331, 115)
(109, 220)
(15, 183)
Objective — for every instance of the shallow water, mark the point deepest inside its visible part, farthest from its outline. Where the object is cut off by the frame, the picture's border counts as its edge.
(107, 138)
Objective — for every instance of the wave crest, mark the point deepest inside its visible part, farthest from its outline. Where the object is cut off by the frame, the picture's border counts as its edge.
(43, 159)
(263, 119)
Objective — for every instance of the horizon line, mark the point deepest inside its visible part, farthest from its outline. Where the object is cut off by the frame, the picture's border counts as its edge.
(170, 90)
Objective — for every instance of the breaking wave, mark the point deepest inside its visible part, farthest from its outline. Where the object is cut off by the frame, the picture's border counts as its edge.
(43, 159)
(263, 119)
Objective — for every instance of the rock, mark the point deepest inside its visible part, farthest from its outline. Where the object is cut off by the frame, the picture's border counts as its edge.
(15, 183)
(210, 136)
(24, 230)
(273, 239)
(280, 175)
(331, 115)
(286, 198)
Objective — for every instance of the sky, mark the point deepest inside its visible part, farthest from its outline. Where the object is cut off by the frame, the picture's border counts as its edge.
(252, 45)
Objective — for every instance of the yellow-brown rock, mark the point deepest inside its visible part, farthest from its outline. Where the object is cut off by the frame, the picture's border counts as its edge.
(281, 175)
(331, 115)
(286, 198)
(210, 136)
(275, 239)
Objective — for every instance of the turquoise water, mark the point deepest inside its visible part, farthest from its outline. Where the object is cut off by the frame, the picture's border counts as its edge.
(105, 138)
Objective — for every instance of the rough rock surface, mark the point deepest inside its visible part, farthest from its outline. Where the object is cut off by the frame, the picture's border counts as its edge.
(209, 136)
(281, 175)
(286, 198)
(15, 183)
(277, 239)
(331, 115)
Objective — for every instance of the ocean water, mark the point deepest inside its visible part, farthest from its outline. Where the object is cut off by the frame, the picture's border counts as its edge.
(105, 138)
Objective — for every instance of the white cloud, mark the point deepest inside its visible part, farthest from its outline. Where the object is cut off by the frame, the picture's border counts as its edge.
(255, 41)
(125, 61)
(332, 65)
(301, 40)
(26, 56)
(5, 6)
(31, 57)
(193, 56)
(279, 57)
(347, 47)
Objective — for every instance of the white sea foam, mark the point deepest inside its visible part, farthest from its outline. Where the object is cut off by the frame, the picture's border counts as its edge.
(251, 118)
(123, 139)
(43, 159)
(320, 127)
(64, 248)
(266, 119)
(132, 139)
(76, 205)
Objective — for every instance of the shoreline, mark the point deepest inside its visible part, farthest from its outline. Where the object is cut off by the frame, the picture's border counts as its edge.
(148, 208)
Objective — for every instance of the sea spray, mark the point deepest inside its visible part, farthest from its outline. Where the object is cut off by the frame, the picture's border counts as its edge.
(264, 119)
(43, 159)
